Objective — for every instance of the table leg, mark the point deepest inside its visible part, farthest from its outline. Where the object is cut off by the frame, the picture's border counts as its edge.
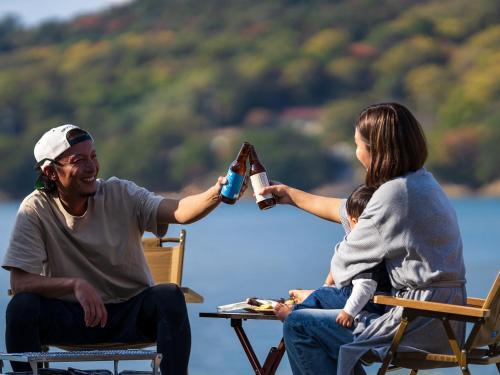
(273, 357)
(247, 347)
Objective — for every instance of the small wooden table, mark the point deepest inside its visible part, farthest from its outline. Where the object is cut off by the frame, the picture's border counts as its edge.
(275, 354)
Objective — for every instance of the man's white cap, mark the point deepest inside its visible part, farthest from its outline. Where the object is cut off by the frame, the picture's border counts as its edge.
(54, 142)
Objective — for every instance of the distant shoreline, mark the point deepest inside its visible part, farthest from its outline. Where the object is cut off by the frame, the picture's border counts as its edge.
(491, 190)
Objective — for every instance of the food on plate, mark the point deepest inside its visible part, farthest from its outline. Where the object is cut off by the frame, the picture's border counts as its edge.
(260, 302)
(264, 307)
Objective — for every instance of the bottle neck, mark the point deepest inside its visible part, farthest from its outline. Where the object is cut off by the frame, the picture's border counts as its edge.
(243, 154)
(255, 164)
(254, 159)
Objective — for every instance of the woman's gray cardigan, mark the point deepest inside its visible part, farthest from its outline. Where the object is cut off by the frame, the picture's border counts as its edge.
(410, 223)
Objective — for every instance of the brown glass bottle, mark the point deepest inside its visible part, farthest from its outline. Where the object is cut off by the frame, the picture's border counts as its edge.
(258, 178)
(235, 176)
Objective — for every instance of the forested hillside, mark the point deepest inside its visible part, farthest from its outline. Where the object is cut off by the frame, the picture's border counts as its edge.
(170, 88)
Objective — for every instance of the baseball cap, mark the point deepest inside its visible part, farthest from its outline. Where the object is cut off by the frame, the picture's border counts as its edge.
(52, 144)
(55, 141)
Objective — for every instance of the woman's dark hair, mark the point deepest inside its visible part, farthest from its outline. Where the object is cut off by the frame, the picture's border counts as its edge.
(357, 201)
(43, 182)
(395, 140)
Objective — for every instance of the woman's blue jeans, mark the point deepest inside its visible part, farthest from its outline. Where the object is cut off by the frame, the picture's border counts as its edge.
(313, 338)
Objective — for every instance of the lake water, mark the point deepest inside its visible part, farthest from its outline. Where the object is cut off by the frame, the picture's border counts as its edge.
(239, 251)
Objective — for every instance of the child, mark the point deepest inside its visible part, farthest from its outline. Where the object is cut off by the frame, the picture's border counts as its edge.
(354, 298)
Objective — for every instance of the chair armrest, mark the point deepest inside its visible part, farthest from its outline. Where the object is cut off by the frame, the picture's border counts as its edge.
(191, 296)
(169, 239)
(477, 302)
(437, 307)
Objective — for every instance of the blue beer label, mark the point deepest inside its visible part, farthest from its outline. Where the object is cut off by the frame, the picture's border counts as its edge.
(233, 186)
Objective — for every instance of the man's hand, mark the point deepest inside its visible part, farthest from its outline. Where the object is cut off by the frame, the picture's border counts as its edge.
(53, 287)
(344, 319)
(221, 181)
(91, 302)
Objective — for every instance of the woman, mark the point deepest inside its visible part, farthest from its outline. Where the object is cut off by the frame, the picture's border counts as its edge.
(409, 223)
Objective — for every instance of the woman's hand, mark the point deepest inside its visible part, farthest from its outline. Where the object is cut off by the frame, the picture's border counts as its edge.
(344, 319)
(280, 192)
(324, 207)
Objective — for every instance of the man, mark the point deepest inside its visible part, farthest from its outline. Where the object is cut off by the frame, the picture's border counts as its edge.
(75, 256)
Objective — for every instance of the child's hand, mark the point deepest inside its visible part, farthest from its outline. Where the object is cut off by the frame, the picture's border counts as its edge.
(344, 319)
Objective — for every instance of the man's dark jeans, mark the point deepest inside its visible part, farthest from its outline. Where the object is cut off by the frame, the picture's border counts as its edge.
(158, 313)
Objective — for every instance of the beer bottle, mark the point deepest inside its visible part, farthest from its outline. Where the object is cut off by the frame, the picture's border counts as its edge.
(235, 176)
(258, 178)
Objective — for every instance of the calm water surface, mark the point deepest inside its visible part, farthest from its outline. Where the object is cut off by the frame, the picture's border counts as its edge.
(239, 251)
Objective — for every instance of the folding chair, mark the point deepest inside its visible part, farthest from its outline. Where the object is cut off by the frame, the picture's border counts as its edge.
(482, 346)
(167, 263)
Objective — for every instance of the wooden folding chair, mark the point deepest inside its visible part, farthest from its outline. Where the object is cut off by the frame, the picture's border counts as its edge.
(482, 346)
(166, 263)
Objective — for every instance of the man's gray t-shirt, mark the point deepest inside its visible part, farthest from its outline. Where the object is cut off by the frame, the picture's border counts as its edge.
(103, 246)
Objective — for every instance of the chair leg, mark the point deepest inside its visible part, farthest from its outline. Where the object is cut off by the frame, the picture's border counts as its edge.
(494, 351)
(392, 350)
(461, 358)
(34, 367)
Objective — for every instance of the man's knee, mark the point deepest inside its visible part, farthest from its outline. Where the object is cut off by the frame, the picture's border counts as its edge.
(169, 297)
(22, 307)
(168, 292)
